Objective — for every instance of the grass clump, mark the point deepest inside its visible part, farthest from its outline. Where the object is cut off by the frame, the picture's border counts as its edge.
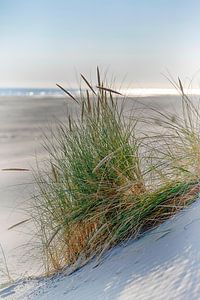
(100, 187)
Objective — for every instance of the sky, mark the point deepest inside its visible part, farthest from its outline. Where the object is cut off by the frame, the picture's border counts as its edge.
(43, 42)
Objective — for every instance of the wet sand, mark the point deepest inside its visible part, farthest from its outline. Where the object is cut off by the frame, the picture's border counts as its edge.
(22, 120)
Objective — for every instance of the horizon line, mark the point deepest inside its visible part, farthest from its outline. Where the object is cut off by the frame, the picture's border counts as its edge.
(123, 91)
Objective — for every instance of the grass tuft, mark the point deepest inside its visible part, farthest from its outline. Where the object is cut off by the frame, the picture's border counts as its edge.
(105, 183)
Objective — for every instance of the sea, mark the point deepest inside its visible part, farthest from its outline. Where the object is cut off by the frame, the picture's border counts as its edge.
(56, 92)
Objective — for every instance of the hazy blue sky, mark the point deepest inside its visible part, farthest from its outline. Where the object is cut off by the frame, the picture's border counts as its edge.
(47, 41)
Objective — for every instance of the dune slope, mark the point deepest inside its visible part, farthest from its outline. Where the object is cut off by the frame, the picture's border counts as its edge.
(163, 264)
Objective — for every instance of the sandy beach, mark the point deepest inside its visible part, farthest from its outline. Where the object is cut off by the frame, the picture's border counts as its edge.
(22, 123)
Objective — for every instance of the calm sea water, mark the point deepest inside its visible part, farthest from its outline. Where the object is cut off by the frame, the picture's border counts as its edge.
(56, 92)
(30, 92)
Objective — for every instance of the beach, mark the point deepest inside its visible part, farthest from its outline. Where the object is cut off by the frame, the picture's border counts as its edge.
(99, 150)
(23, 122)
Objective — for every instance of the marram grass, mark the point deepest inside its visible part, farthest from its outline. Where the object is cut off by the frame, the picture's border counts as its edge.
(105, 183)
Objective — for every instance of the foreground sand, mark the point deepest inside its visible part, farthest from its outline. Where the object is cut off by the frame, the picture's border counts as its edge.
(163, 264)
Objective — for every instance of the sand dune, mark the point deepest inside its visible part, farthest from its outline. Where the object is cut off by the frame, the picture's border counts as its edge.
(163, 264)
